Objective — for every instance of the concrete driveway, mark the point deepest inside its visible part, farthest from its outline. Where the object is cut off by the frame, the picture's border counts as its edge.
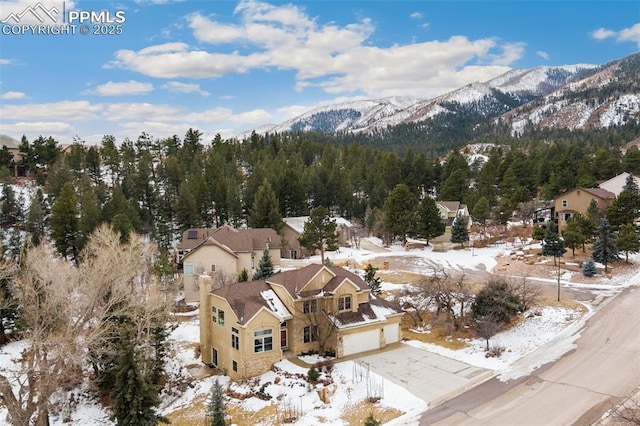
(430, 377)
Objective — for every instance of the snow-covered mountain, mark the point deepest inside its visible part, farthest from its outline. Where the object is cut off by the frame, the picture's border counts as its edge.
(541, 96)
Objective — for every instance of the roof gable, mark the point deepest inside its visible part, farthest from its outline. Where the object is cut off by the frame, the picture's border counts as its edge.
(297, 282)
(247, 299)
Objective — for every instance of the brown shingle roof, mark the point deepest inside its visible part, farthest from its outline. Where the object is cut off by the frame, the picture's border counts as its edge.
(450, 205)
(237, 240)
(244, 298)
(294, 281)
(600, 193)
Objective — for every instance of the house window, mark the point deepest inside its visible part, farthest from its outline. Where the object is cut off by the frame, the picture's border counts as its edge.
(214, 314)
(567, 216)
(221, 317)
(213, 268)
(310, 306)
(253, 261)
(262, 340)
(293, 254)
(188, 268)
(565, 203)
(344, 303)
(214, 357)
(310, 334)
(234, 365)
(235, 339)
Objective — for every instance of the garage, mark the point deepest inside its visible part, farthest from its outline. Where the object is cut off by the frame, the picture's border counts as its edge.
(360, 342)
(392, 333)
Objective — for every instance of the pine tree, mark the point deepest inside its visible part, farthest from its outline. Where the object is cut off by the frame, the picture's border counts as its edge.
(371, 279)
(135, 396)
(10, 209)
(265, 212)
(459, 230)
(589, 268)
(605, 249)
(400, 212)
(243, 276)
(217, 409)
(429, 224)
(628, 240)
(319, 232)
(624, 209)
(265, 266)
(481, 212)
(64, 223)
(36, 218)
(552, 245)
(630, 185)
(572, 236)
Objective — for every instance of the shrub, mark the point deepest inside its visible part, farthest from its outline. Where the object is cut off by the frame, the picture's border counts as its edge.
(589, 268)
(498, 301)
(313, 374)
(371, 421)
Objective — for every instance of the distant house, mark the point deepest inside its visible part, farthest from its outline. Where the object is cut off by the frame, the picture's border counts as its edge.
(13, 146)
(294, 227)
(246, 327)
(577, 201)
(449, 210)
(616, 184)
(223, 253)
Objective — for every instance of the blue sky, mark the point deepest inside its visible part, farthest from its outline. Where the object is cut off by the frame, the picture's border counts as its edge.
(228, 66)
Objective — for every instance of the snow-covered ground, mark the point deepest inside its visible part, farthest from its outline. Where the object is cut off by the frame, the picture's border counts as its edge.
(537, 340)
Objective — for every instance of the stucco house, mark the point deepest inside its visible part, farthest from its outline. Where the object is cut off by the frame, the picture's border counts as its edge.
(246, 327)
(449, 210)
(223, 253)
(294, 227)
(577, 200)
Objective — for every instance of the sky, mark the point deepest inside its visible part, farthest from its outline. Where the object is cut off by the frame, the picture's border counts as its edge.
(228, 67)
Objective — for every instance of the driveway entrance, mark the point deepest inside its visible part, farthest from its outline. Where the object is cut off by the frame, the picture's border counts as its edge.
(428, 376)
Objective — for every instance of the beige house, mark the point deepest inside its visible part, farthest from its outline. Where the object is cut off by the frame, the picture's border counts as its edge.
(449, 210)
(294, 227)
(223, 253)
(577, 201)
(246, 327)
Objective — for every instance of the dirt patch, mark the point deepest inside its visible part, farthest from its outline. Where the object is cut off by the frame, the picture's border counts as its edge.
(357, 414)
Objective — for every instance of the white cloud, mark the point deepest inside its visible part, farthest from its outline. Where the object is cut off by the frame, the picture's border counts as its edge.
(416, 15)
(631, 34)
(603, 33)
(37, 127)
(336, 58)
(544, 55)
(70, 110)
(13, 95)
(176, 86)
(5, 61)
(124, 88)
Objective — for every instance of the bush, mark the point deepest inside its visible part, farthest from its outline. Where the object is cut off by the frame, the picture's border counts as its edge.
(589, 268)
(313, 374)
(498, 301)
(371, 421)
(538, 233)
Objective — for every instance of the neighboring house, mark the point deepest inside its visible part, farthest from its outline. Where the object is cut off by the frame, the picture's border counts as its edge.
(616, 184)
(13, 146)
(577, 201)
(449, 210)
(247, 327)
(223, 253)
(294, 227)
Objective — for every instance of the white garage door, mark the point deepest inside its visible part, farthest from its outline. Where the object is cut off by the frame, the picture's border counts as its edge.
(360, 342)
(392, 333)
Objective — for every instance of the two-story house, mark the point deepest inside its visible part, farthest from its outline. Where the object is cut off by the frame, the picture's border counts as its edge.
(577, 201)
(294, 227)
(223, 253)
(246, 327)
(449, 210)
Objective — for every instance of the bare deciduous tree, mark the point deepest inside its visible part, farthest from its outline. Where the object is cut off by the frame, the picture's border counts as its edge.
(68, 311)
(487, 327)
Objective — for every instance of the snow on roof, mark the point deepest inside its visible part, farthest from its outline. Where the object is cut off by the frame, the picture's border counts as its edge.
(276, 305)
(297, 223)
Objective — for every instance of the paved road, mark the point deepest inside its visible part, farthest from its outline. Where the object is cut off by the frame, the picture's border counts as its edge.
(577, 389)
